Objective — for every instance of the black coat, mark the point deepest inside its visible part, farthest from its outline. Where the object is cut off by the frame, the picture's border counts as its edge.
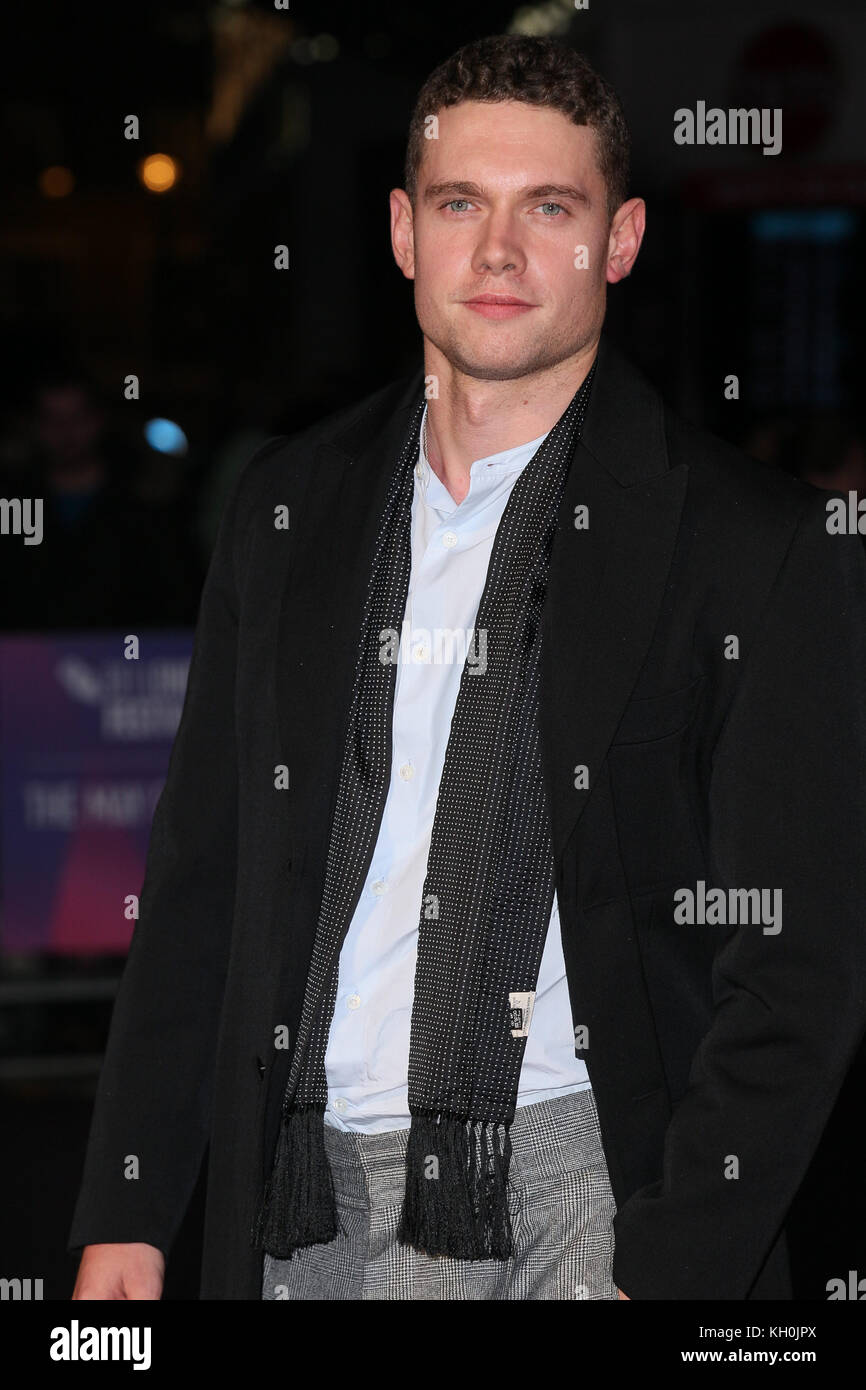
(706, 1044)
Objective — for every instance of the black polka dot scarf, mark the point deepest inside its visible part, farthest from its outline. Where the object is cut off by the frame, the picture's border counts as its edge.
(487, 895)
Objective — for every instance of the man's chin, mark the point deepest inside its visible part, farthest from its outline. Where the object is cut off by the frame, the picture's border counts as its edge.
(496, 366)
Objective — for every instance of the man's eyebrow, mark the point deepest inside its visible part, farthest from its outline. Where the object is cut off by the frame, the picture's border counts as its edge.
(558, 190)
(454, 186)
(460, 188)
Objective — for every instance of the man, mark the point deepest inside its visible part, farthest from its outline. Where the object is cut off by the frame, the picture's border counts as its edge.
(534, 971)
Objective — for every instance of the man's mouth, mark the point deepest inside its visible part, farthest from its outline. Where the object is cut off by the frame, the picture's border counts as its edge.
(498, 306)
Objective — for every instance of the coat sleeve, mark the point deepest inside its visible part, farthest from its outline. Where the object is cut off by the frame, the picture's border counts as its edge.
(787, 811)
(151, 1118)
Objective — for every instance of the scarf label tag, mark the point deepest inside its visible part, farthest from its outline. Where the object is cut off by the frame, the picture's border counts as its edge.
(520, 1008)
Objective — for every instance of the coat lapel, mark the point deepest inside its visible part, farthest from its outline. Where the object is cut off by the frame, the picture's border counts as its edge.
(606, 581)
(323, 594)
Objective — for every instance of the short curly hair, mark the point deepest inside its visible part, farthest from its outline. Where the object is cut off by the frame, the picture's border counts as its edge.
(541, 72)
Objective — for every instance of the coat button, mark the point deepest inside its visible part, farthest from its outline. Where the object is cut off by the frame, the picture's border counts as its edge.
(260, 1066)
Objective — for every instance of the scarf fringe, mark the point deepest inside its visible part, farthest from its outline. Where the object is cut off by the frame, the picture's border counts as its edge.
(457, 1205)
(297, 1207)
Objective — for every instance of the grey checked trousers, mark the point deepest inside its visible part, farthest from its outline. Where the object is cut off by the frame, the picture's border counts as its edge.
(562, 1211)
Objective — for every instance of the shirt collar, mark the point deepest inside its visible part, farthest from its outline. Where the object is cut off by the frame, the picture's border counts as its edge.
(505, 461)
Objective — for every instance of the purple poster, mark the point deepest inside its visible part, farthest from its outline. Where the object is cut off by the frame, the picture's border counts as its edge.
(86, 729)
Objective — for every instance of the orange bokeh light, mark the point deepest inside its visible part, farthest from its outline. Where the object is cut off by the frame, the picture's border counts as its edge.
(56, 181)
(158, 172)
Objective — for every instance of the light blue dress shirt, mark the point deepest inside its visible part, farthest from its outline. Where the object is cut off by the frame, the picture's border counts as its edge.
(367, 1056)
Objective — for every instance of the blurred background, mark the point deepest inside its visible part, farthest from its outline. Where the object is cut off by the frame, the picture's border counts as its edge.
(154, 156)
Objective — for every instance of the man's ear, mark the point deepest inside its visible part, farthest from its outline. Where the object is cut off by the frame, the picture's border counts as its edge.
(403, 232)
(626, 235)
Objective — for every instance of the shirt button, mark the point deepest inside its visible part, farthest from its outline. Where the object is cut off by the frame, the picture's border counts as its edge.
(420, 652)
(407, 772)
(379, 887)
(354, 1001)
(340, 1104)
(419, 470)
(449, 539)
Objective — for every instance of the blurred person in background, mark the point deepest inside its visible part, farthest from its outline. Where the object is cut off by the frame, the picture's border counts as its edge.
(116, 548)
(828, 451)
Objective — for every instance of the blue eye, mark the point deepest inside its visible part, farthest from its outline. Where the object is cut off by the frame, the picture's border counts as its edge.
(553, 205)
(457, 200)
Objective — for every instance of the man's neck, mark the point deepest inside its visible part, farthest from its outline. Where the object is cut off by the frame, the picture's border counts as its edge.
(471, 419)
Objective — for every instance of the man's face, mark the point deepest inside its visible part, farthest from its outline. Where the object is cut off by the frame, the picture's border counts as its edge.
(510, 202)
